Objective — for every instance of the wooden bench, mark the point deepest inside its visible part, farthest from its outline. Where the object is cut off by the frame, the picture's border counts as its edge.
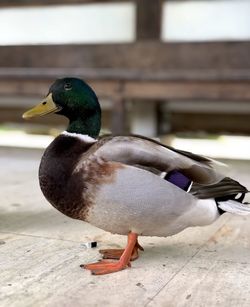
(148, 70)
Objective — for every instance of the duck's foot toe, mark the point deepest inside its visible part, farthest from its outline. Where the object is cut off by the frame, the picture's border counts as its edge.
(117, 253)
(105, 267)
(111, 253)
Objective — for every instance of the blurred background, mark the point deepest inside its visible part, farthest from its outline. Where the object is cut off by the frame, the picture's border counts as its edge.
(175, 70)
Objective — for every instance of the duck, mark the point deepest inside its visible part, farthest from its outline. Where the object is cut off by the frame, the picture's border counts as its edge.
(126, 184)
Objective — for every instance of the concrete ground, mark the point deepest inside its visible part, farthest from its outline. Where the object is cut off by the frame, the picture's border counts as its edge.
(40, 254)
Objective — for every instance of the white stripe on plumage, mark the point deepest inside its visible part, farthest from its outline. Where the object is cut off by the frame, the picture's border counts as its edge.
(83, 137)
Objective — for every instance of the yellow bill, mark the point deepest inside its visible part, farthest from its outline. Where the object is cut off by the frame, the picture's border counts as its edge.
(45, 107)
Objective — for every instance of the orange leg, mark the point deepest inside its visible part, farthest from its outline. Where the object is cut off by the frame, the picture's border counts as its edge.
(117, 253)
(106, 267)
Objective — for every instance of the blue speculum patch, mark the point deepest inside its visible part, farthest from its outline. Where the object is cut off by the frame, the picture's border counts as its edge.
(178, 179)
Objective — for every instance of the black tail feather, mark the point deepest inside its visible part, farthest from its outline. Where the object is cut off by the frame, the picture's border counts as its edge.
(227, 188)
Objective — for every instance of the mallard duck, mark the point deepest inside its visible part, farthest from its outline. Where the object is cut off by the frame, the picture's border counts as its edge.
(128, 185)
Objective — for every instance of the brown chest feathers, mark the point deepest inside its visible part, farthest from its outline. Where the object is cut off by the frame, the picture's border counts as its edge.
(70, 175)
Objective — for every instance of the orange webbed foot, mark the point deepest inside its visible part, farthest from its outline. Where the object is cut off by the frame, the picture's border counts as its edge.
(105, 267)
(117, 253)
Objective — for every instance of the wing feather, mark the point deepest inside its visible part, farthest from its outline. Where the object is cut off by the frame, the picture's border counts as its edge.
(146, 153)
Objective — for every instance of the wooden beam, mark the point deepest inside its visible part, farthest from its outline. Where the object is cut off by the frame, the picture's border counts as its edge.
(147, 90)
(118, 117)
(211, 123)
(104, 74)
(195, 90)
(146, 55)
(39, 87)
(148, 19)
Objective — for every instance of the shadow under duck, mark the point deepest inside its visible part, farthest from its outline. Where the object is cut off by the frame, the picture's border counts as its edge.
(127, 185)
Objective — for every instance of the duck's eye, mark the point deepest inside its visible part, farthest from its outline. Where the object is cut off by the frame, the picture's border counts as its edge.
(67, 86)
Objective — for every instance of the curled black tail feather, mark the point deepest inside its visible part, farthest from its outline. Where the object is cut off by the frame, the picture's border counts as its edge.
(226, 189)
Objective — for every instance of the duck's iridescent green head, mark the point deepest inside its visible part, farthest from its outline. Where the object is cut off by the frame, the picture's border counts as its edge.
(74, 99)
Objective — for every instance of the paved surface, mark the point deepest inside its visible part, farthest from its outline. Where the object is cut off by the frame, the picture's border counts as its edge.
(40, 254)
